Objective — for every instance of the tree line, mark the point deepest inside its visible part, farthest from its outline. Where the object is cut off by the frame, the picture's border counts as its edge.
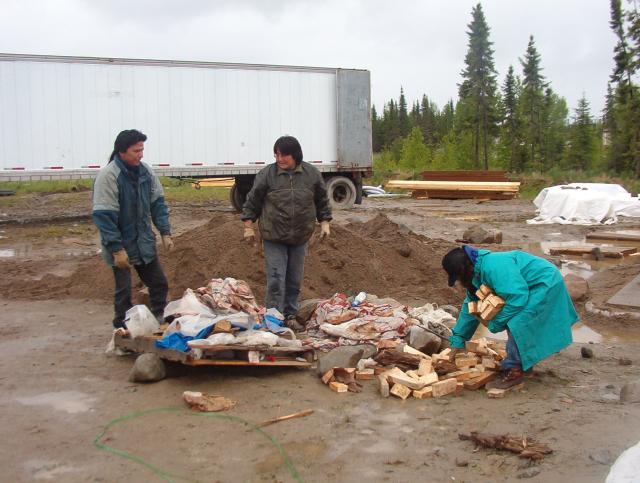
(520, 124)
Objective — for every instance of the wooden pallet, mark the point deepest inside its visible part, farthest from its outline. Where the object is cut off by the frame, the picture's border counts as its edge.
(607, 252)
(279, 356)
(456, 195)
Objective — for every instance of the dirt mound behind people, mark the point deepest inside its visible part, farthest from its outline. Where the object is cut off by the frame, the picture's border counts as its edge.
(377, 257)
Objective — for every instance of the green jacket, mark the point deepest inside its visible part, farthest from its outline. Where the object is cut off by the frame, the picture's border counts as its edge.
(538, 310)
(288, 203)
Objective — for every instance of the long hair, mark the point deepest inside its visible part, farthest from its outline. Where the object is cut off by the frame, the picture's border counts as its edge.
(125, 140)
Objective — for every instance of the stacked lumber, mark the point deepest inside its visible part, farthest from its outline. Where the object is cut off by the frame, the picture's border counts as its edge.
(487, 307)
(596, 251)
(423, 376)
(456, 188)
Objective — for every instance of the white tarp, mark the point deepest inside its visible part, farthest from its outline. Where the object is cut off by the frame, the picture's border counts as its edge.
(584, 204)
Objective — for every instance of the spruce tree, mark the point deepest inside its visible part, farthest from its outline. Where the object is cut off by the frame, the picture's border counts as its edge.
(477, 92)
(581, 152)
(532, 100)
(403, 115)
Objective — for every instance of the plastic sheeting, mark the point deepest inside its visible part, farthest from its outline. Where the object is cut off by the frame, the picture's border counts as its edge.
(626, 468)
(584, 204)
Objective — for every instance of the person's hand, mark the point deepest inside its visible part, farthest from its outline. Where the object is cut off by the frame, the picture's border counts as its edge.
(167, 242)
(121, 259)
(325, 231)
(249, 234)
(453, 353)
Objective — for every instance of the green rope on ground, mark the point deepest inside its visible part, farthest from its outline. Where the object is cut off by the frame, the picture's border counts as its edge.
(168, 476)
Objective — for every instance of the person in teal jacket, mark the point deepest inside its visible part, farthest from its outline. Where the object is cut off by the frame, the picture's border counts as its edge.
(538, 311)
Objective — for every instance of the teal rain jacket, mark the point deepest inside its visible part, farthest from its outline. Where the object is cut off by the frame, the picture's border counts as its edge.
(538, 310)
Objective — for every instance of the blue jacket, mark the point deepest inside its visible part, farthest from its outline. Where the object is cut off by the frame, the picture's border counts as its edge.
(124, 206)
(538, 310)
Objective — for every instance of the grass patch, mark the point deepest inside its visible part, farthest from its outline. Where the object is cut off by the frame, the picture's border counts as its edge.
(176, 190)
(60, 186)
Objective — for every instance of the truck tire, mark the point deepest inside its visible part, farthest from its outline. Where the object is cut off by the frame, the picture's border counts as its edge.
(341, 192)
(237, 196)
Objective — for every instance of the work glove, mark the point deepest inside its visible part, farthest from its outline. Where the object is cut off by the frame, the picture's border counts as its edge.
(167, 242)
(121, 259)
(325, 231)
(249, 234)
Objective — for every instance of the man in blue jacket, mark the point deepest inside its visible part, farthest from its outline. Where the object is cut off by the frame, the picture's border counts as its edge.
(127, 197)
(537, 315)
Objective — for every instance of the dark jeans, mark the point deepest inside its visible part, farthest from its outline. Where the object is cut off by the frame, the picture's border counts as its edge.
(285, 270)
(513, 354)
(153, 277)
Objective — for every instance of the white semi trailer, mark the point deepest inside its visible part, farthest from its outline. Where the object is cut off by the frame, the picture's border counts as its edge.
(59, 117)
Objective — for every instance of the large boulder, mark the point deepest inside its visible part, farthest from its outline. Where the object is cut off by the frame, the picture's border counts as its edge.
(147, 368)
(423, 340)
(577, 286)
(345, 356)
(479, 234)
(630, 392)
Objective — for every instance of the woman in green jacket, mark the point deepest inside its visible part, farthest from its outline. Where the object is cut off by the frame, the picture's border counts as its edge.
(537, 315)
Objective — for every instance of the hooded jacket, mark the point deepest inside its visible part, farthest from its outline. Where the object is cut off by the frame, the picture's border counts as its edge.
(125, 203)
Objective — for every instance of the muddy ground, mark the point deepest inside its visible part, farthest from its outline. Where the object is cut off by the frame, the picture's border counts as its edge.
(59, 390)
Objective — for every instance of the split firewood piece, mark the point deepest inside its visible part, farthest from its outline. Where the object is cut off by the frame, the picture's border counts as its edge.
(338, 387)
(347, 375)
(467, 360)
(365, 375)
(203, 402)
(401, 391)
(403, 360)
(477, 347)
(524, 447)
(327, 377)
(472, 307)
(383, 386)
(483, 292)
(489, 363)
(425, 367)
(424, 393)
(410, 350)
(478, 382)
(405, 380)
(443, 366)
(495, 301)
(445, 387)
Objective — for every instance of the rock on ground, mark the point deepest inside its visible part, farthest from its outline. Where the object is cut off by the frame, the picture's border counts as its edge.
(577, 286)
(423, 340)
(630, 392)
(345, 356)
(479, 234)
(306, 310)
(147, 368)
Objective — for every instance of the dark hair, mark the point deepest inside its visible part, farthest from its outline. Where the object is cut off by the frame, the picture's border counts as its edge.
(289, 145)
(125, 140)
(456, 263)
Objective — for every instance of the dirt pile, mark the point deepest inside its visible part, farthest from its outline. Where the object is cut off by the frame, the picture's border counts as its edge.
(377, 257)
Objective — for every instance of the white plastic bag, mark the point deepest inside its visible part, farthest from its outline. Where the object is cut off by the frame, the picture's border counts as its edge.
(140, 321)
(188, 304)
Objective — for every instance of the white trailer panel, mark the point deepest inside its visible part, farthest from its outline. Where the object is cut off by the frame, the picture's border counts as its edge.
(64, 113)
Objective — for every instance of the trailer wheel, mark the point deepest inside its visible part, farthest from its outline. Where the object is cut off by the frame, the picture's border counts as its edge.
(237, 196)
(341, 192)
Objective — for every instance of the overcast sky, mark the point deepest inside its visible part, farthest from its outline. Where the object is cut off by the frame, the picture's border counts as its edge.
(417, 44)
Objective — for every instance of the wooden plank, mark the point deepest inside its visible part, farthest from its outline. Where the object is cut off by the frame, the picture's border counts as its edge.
(607, 252)
(465, 175)
(467, 194)
(629, 295)
(455, 185)
(609, 235)
(265, 349)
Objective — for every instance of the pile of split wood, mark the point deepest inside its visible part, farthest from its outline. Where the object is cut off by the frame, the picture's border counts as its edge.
(404, 371)
(488, 307)
(490, 185)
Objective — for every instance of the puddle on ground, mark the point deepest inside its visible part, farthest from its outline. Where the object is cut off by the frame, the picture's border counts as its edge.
(72, 402)
(583, 266)
(582, 334)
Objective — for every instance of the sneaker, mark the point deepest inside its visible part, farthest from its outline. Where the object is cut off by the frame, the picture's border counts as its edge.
(507, 380)
(293, 324)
